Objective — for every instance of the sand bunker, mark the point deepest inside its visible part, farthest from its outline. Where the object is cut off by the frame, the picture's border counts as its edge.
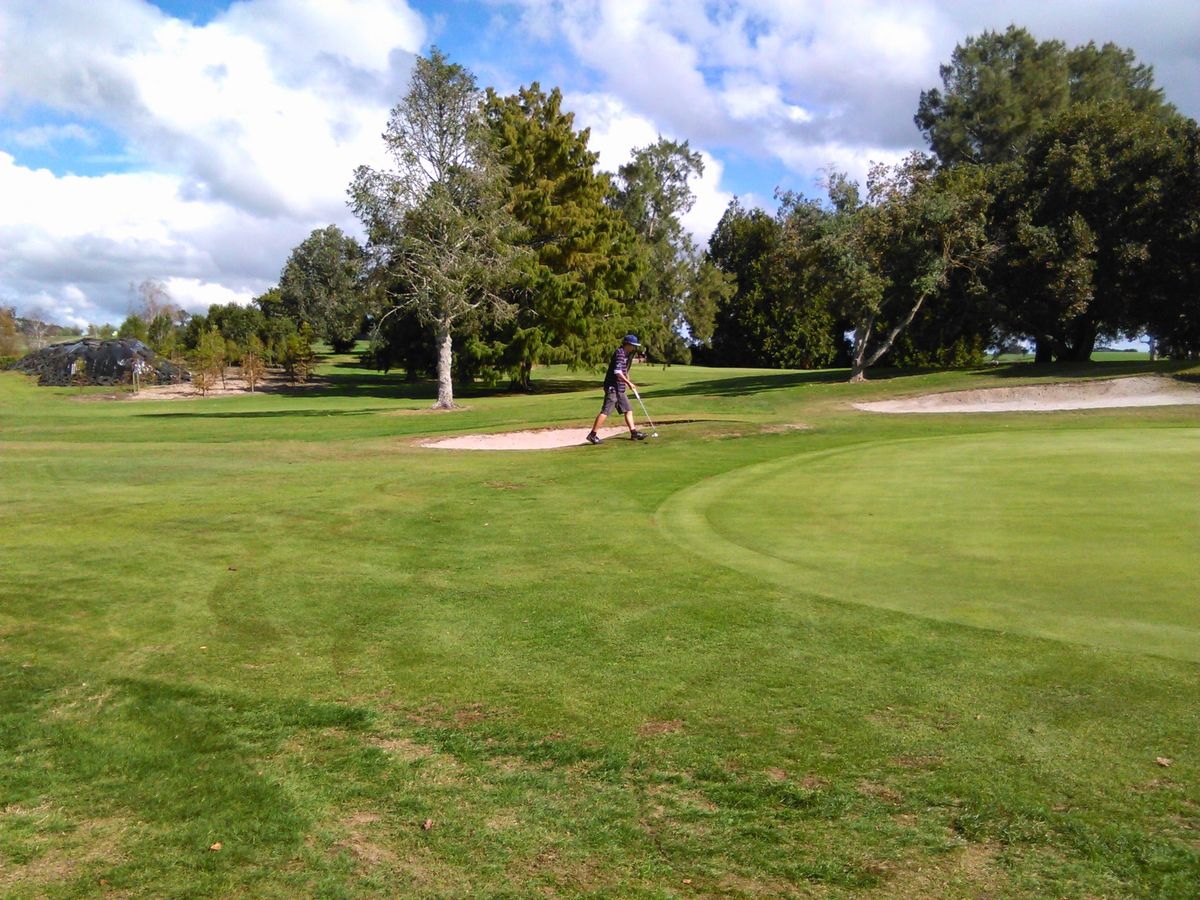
(542, 439)
(1142, 390)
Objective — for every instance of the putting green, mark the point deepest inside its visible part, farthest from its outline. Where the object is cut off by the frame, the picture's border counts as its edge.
(1084, 536)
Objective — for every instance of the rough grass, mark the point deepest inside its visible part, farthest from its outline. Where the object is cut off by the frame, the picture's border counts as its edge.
(277, 627)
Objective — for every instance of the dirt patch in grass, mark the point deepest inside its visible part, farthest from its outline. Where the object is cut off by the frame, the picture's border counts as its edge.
(402, 748)
(655, 727)
(361, 844)
(469, 715)
(233, 386)
(561, 874)
(513, 765)
(434, 715)
(70, 851)
(744, 886)
(971, 871)
(878, 791)
(1142, 390)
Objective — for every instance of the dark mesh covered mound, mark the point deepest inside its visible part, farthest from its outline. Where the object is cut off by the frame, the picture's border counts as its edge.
(108, 363)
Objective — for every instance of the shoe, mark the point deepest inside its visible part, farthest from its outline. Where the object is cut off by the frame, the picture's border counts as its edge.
(594, 438)
(637, 435)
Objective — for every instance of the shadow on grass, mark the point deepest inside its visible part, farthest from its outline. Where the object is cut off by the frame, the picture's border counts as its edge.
(746, 385)
(358, 382)
(756, 384)
(1060, 371)
(267, 414)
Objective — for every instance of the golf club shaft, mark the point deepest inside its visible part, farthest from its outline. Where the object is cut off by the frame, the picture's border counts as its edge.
(653, 427)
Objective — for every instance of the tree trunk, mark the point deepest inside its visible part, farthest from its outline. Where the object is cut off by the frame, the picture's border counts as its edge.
(858, 364)
(1043, 351)
(445, 398)
(1083, 342)
(861, 362)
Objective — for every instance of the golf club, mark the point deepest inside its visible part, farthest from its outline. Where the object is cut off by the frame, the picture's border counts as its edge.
(653, 427)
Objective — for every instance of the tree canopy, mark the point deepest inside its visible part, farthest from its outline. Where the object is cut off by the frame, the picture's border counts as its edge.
(320, 285)
(779, 313)
(439, 230)
(1090, 227)
(999, 89)
(886, 256)
(679, 290)
(582, 264)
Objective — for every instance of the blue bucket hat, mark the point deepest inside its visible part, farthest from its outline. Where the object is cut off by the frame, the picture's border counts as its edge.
(631, 339)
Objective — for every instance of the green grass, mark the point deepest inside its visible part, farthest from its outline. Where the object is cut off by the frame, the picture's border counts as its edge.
(883, 654)
(996, 530)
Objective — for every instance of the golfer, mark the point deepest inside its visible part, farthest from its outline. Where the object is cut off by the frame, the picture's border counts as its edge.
(616, 380)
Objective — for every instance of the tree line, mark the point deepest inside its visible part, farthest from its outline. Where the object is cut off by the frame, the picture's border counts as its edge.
(1060, 205)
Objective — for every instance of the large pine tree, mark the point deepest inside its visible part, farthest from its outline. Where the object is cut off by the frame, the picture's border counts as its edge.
(1001, 88)
(571, 300)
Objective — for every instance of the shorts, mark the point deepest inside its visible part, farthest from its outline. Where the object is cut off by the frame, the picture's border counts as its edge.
(613, 397)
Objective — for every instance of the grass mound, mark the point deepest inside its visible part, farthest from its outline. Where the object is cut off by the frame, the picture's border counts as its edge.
(1081, 536)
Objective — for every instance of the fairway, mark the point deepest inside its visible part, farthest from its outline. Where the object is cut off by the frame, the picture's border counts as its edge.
(1089, 537)
(274, 646)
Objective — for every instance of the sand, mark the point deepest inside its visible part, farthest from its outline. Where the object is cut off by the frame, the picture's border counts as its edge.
(541, 439)
(1140, 390)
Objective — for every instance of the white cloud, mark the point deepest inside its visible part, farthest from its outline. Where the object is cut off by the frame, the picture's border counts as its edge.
(792, 70)
(791, 81)
(616, 133)
(298, 33)
(750, 99)
(711, 201)
(197, 295)
(246, 132)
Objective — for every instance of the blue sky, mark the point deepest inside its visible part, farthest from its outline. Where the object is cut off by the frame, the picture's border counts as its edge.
(195, 142)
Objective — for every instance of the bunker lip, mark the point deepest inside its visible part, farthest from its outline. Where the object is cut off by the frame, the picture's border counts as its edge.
(1139, 390)
(533, 439)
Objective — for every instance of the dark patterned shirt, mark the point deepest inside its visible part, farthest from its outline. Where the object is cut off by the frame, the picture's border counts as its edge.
(620, 363)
